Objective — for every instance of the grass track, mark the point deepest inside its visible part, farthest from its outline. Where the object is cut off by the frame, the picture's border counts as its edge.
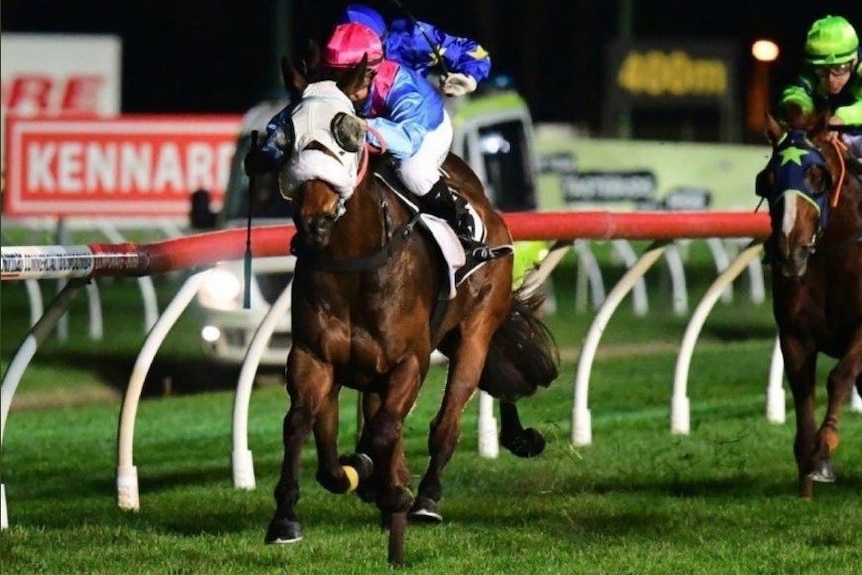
(639, 500)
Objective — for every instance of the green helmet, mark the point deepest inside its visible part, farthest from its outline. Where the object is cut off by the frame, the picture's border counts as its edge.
(831, 41)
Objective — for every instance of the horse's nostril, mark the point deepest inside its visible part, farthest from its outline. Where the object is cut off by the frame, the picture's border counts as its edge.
(322, 225)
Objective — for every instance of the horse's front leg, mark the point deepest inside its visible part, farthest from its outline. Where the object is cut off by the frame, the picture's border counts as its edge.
(465, 369)
(383, 437)
(800, 366)
(839, 386)
(310, 386)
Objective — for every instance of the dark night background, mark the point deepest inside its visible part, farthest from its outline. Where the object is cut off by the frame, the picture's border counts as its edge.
(219, 56)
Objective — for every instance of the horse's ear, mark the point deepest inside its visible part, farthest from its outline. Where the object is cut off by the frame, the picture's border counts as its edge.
(773, 128)
(312, 56)
(354, 79)
(294, 81)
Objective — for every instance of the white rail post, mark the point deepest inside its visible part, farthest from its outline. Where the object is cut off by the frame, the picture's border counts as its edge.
(127, 473)
(241, 456)
(489, 444)
(589, 276)
(38, 334)
(626, 252)
(679, 405)
(582, 433)
(775, 401)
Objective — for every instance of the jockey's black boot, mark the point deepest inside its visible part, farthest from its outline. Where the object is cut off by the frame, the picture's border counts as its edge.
(442, 202)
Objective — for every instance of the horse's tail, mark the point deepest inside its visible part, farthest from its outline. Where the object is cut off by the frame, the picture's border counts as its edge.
(523, 355)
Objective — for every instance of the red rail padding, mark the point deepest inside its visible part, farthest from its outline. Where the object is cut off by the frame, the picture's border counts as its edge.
(203, 250)
(223, 245)
(636, 225)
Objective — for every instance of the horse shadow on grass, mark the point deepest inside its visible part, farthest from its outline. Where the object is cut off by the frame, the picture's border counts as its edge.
(166, 376)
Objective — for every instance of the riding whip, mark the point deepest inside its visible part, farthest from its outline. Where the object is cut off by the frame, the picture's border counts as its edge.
(252, 181)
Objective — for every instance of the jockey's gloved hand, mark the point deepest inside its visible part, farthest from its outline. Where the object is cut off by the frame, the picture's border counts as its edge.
(456, 84)
(257, 162)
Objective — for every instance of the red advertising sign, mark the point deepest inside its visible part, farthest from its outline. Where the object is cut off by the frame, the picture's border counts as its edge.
(130, 165)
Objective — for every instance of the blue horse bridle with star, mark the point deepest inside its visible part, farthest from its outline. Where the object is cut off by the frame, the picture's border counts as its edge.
(792, 157)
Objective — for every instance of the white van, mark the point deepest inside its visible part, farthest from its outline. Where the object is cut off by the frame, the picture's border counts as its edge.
(493, 133)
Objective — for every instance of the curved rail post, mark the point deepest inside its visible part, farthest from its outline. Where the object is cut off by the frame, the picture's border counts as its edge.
(679, 405)
(534, 279)
(489, 444)
(757, 291)
(582, 433)
(34, 294)
(722, 260)
(241, 457)
(856, 401)
(38, 334)
(775, 401)
(679, 291)
(94, 303)
(627, 253)
(127, 473)
(589, 276)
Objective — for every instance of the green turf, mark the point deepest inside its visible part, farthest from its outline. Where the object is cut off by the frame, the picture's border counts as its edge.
(639, 500)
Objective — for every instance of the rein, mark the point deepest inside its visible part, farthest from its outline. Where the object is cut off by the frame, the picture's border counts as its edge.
(840, 148)
(324, 263)
(391, 242)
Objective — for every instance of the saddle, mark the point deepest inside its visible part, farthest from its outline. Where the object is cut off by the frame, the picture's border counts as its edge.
(461, 260)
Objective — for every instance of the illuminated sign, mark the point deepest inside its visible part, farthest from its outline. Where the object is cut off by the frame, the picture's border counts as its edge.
(670, 74)
(131, 165)
(614, 186)
(657, 73)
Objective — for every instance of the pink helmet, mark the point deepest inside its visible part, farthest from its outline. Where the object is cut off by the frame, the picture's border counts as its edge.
(348, 43)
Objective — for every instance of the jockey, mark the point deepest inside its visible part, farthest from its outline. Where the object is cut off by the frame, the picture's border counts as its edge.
(455, 65)
(404, 115)
(832, 78)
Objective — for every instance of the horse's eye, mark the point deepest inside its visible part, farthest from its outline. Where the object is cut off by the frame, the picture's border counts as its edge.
(818, 180)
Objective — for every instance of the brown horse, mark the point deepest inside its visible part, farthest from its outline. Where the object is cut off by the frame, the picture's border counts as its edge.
(369, 306)
(815, 203)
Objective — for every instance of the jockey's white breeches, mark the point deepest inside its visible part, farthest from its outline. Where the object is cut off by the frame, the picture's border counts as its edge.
(420, 171)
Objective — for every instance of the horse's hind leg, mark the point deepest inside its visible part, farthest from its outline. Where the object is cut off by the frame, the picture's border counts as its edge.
(309, 384)
(465, 368)
(514, 437)
(839, 387)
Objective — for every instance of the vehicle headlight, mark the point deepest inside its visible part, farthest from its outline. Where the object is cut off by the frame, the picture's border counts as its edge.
(220, 290)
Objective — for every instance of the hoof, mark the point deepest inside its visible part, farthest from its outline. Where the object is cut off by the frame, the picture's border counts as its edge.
(824, 472)
(528, 443)
(424, 510)
(283, 531)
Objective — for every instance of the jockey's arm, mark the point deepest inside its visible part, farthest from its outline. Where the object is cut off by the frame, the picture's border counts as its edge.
(851, 114)
(421, 45)
(413, 110)
(796, 100)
